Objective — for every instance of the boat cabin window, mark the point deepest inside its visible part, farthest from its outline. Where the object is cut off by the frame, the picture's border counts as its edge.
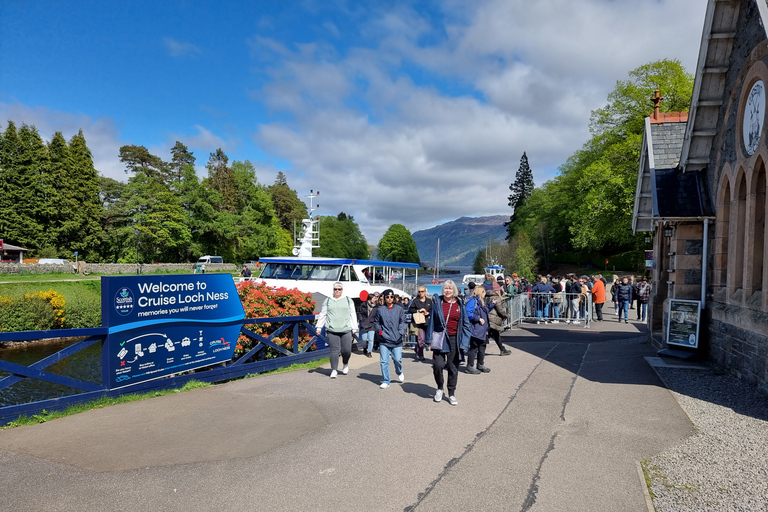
(298, 271)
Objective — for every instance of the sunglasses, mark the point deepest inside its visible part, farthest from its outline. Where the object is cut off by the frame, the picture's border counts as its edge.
(337, 289)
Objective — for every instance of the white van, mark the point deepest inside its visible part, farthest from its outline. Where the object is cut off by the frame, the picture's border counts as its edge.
(204, 260)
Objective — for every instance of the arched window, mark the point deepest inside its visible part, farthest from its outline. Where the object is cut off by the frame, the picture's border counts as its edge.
(737, 236)
(758, 228)
(722, 229)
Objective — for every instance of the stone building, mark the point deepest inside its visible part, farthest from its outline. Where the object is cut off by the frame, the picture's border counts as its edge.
(707, 206)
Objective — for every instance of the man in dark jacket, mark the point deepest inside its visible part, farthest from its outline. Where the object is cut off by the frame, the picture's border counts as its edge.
(390, 324)
(624, 296)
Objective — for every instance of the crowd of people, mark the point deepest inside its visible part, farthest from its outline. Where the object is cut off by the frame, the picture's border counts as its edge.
(565, 298)
(457, 327)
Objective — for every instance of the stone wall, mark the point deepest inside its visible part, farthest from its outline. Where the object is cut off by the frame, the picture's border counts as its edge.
(113, 268)
(738, 342)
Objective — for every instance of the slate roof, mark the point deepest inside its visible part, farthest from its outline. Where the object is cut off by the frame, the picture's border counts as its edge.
(667, 140)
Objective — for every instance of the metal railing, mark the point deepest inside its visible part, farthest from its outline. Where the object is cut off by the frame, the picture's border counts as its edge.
(550, 308)
(253, 361)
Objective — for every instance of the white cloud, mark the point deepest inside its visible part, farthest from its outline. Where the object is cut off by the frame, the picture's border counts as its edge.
(180, 48)
(101, 134)
(386, 147)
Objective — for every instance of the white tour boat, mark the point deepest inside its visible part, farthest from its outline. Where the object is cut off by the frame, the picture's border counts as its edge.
(311, 274)
(493, 270)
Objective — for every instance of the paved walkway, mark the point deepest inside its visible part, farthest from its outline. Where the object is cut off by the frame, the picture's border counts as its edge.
(558, 425)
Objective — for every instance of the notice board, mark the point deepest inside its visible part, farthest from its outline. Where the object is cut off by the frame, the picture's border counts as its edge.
(683, 323)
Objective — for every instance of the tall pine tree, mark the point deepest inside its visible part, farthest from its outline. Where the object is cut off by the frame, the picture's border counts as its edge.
(521, 189)
(85, 211)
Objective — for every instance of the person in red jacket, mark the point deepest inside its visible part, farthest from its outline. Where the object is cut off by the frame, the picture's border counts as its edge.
(598, 298)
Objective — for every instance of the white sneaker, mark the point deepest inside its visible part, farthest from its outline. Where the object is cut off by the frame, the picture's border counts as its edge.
(384, 385)
(556, 321)
(334, 373)
(345, 370)
(401, 377)
(576, 322)
(452, 400)
(439, 395)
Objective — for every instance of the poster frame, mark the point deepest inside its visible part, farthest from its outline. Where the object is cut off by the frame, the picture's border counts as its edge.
(677, 329)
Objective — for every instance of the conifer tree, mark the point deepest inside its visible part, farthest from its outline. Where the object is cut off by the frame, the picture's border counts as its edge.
(34, 192)
(84, 232)
(181, 157)
(221, 179)
(521, 189)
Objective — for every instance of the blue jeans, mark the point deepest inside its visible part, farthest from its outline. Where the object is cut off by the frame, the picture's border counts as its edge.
(367, 336)
(623, 306)
(643, 309)
(397, 358)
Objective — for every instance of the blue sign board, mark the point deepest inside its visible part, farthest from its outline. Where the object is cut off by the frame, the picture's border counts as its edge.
(164, 324)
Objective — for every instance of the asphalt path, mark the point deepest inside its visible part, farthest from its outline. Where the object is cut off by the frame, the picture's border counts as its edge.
(559, 425)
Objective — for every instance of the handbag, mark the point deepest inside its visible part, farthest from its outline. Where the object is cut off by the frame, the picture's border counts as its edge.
(419, 318)
(438, 338)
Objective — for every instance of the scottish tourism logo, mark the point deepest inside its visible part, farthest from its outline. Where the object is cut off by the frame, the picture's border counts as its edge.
(124, 301)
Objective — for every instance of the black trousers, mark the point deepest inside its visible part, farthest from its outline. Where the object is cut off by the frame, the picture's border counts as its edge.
(599, 310)
(476, 349)
(496, 337)
(447, 361)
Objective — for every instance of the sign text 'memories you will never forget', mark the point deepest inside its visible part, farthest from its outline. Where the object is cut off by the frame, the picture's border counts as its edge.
(161, 325)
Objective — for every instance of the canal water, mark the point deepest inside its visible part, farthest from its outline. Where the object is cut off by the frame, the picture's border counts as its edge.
(84, 365)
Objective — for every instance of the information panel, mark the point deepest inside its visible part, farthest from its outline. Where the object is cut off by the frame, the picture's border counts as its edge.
(683, 326)
(165, 324)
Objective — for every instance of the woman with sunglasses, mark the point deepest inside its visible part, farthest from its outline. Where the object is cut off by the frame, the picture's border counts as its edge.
(339, 318)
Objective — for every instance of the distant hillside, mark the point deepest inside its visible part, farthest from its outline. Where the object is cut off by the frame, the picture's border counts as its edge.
(460, 239)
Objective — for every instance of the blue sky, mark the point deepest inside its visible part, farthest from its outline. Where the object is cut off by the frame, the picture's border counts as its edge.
(397, 111)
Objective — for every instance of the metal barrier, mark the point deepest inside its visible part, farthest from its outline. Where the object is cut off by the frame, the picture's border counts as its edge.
(550, 308)
(90, 390)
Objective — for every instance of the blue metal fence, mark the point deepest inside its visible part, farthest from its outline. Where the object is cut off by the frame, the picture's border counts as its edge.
(90, 390)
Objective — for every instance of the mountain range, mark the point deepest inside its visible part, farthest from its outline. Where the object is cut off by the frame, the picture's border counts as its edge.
(460, 240)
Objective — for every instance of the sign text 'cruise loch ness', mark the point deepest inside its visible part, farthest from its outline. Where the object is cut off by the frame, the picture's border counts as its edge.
(161, 325)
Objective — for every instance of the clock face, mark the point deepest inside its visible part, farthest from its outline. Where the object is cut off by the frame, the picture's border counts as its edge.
(754, 117)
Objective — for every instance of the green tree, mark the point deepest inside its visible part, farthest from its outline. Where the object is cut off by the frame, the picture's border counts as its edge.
(181, 158)
(221, 180)
(115, 220)
(81, 230)
(397, 244)
(521, 189)
(630, 101)
(159, 218)
(35, 192)
(139, 159)
(588, 206)
(289, 208)
(340, 237)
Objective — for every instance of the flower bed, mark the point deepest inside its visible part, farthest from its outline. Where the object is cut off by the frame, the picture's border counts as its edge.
(261, 301)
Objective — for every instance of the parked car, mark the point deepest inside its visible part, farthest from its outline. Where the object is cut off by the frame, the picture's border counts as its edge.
(210, 259)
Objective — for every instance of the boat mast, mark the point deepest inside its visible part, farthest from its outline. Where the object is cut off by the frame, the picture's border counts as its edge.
(309, 237)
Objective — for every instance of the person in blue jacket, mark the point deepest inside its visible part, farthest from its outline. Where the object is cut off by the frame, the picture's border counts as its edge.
(477, 312)
(448, 331)
(390, 324)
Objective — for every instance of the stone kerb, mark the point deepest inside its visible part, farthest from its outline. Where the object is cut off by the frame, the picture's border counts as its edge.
(112, 268)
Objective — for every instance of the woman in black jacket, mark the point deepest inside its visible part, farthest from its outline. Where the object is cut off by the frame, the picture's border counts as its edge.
(421, 304)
